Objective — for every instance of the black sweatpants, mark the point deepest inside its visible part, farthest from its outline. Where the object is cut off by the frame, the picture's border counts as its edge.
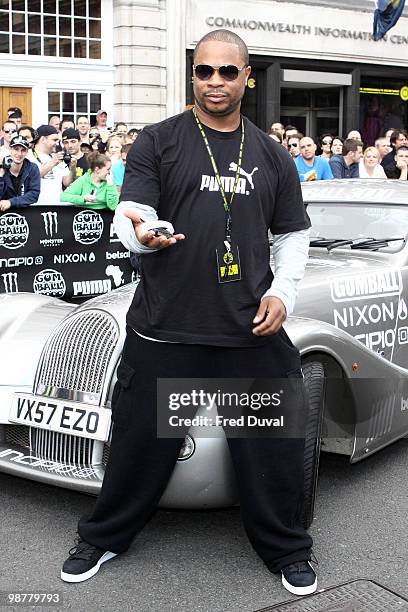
(269, 471)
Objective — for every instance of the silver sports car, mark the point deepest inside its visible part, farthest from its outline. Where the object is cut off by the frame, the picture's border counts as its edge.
(351, 326)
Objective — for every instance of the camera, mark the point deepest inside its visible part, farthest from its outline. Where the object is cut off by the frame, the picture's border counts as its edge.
(6, 163)
(99, 143)
(66, 157)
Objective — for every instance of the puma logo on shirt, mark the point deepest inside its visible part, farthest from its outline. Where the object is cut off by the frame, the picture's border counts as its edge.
(227, 182)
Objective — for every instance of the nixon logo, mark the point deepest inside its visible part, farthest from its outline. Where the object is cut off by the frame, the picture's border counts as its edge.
(10, 282)
(50, 223)
(64, 258)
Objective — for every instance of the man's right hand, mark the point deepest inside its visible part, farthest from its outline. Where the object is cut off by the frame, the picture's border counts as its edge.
(57, 157)
(147, 237)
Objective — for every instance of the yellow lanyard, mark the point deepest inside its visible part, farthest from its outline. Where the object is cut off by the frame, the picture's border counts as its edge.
(227, 205)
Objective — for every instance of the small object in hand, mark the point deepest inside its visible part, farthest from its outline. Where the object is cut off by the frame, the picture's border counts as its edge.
(160, 228)
(162, 231)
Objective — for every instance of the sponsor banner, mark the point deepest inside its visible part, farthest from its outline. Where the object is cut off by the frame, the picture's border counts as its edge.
(61, 251)
(372, 307)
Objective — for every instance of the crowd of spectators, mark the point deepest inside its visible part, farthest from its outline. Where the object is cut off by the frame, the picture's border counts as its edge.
(84, 165)
(331, 156)
(62, 161)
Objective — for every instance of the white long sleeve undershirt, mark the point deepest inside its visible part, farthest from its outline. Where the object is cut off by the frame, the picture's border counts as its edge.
(290, 252)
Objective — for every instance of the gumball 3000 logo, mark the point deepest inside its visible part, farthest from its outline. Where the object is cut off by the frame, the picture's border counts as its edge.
(87, 226)
(14, 231)
(49, 282)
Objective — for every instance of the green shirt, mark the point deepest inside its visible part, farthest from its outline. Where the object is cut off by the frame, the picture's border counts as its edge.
(106, 195)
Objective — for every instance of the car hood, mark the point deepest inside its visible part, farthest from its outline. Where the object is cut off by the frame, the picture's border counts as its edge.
(322, 264)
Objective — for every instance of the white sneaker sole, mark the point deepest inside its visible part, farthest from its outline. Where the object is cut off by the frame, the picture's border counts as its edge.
(306, 590)
(94, 570)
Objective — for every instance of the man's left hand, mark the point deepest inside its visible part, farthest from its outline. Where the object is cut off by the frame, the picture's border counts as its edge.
(5, 205)
(270, 316)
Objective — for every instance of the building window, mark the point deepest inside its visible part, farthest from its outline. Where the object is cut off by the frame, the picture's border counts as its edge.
(59, 28)
(74, 104)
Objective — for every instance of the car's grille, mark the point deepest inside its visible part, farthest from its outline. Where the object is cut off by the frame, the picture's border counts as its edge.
(60, 447)
(18, 435)
(78, 353)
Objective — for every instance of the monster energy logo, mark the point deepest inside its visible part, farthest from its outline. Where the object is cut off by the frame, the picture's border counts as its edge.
(50, 223)
(10, 282)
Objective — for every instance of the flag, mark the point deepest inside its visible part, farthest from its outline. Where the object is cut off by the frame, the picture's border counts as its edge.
(386, 16)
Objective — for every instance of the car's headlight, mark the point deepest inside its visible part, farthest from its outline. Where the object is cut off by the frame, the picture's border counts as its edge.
(187, 450)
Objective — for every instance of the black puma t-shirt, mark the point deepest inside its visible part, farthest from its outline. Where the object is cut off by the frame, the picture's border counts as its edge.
(179, 298)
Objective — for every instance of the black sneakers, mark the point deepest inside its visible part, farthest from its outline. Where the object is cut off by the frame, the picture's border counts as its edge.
(299, 578)
(84, 562)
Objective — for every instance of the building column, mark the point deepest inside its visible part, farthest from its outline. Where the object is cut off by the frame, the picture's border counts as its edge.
(139, 40)
(272, 94)
(176, 11)
(352, 103)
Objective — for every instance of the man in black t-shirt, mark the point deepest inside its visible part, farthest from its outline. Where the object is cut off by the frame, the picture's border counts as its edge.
(207, 306)
(71, 140)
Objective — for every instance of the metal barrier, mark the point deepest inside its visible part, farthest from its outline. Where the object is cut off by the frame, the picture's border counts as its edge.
(63, 251)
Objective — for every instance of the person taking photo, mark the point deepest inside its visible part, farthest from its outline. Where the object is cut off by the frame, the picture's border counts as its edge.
(72, 144)
(19, 179)
(55, 174)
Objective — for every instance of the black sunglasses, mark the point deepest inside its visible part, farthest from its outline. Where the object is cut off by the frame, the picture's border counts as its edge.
(327, 142)
(293, 144)
(228, 72)
(10, 131)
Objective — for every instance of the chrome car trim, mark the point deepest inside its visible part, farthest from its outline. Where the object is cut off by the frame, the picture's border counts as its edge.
(77, 355)
(68, 394)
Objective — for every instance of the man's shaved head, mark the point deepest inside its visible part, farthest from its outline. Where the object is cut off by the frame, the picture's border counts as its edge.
(227, 37)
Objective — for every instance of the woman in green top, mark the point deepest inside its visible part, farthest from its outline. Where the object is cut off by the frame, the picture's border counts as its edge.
(95, 189)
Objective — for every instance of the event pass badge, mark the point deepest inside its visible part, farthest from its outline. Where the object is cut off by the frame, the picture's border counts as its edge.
(228, 263)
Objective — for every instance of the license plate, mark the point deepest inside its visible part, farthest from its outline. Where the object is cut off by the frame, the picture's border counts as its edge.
(59, 415)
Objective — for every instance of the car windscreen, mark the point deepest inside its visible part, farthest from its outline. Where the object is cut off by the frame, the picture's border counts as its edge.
(357, 221)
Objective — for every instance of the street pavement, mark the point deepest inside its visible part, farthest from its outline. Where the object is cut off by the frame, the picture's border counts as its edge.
(202, 561)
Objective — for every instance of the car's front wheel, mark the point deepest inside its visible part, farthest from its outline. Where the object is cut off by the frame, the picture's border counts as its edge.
(314, 380)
